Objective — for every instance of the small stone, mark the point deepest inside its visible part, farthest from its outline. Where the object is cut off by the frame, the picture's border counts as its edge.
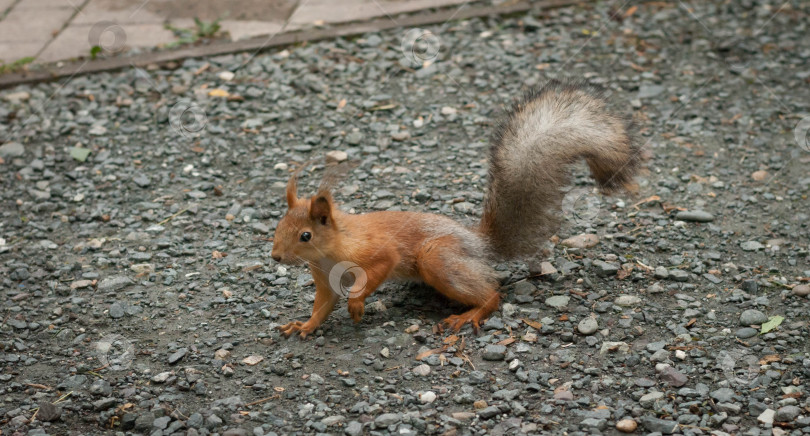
(558, 301)
(354, 138)
(49, 412)
(252, 360)
(177, 356)
(697, 216)
(114, 283)
(627, 300)
(605, 269)
(400, 136)
(353, 428)
(650, 399)
(759, 175)
(116, 311)
(722, 395)
(678, 275)
(162, 377)
(564, 395)
(673, 377)
(141, 180)
(336, 156)
(752, 317)
(142, 268)
(801, 290)
(751, 246)
(546, 268)
(162, 422)
(662, 426)
(746, 332)
(626, 426)
(661, 272)
(222, 354)
(422, 370)
(788, 413)
(12, 149)
(489, 412)
(81, 284)
(648, 91)
(427, 397)
(17, 97)
(333, 420)
(767, 417)
(588, 326)
(584, 240)
(494, 352)
(387, 419)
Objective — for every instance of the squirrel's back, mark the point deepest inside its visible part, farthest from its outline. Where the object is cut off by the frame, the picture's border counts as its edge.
(531, 150)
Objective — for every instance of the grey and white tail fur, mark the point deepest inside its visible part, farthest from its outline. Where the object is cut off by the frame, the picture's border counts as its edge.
(531, 150)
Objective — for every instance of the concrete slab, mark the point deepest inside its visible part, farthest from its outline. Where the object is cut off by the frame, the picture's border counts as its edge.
(134, 12)
(75, 42)
(4, 5)
(49, 4)
(12, 51)
(249, 29)
(32, 25)
(330, 11)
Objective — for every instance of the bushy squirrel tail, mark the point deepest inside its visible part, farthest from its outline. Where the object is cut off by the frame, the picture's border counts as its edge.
(532, 147)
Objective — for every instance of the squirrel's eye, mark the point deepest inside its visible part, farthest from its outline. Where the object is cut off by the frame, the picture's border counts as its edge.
(306, 236)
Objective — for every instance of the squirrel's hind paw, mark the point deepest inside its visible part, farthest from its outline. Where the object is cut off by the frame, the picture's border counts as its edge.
(456, 322)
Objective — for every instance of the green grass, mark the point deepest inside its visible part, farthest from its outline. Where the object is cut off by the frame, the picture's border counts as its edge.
(16, 65)
(202, 29)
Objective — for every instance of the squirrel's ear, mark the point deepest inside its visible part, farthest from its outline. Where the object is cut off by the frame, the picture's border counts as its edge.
(292, 187)
(320, 207)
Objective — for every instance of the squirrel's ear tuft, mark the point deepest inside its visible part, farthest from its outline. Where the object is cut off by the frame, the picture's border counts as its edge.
(320, 207)
(292, 187)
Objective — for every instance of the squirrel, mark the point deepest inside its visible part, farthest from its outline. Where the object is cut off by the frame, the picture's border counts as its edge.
(531, 149)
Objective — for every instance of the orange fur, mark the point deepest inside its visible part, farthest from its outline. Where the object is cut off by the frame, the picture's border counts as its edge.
(384, 245)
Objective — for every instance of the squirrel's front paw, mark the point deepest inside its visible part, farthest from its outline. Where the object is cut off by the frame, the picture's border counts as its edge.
(356, 308)
(304, 328)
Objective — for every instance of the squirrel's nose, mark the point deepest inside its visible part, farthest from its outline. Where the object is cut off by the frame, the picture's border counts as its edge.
(277, 258)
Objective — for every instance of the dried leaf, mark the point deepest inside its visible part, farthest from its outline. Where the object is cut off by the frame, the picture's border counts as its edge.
(506, 341)
(218, 92)
(630, 11)
(450, 340)
(773, 322)
(533, 324)
(79, 153)
(769, 359)
(427, 353)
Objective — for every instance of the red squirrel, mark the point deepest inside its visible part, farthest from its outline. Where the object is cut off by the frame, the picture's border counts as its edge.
(531, 149)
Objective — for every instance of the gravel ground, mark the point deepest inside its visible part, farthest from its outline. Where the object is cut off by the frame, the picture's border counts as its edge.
(139, 296)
